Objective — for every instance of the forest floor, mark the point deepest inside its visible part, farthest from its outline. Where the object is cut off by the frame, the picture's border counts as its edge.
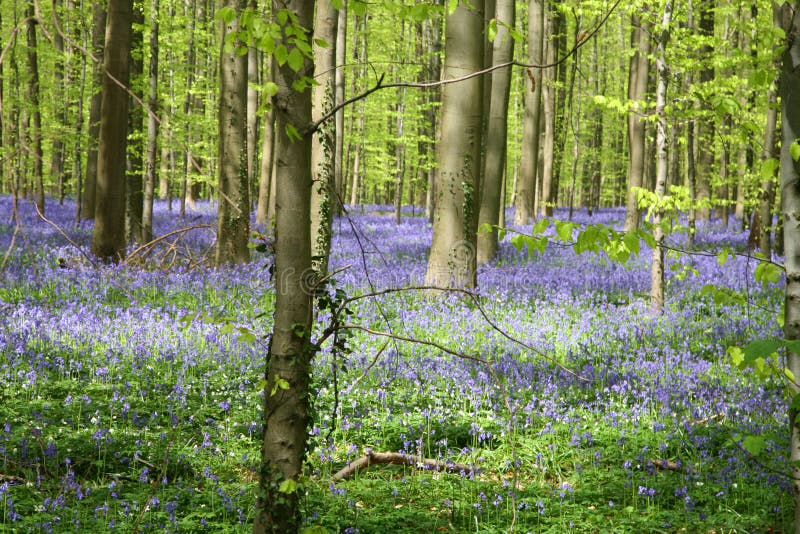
(130, 398)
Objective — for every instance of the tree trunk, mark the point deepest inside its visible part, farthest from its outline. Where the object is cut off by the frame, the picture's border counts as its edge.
(57, 153)
(637, 94)
(549, 108)
(339, 81)
(704, 127)
(433, 31)
(790, 195)
(233, 210)
(265, 177)
(187, 197)
(151, 155)
(252, 114)
(497, 133)
(322, 144)
(662, 161)
(452, 257)
(33, 99)
(400, 155)
(135, 186)
(77, 155)
(524, 206)
(286, 395)
(108, 238)
(98, 43)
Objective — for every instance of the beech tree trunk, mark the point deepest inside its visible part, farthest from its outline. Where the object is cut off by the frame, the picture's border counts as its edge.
(452, 261)
(151, 152)
(57, 153)
(660, 189)
(32, 95)
(233, 212)
(637, 93)
(98, 43)
(790, 205)
(548, 106)
(322, 144)
(524, 206)
(108, 237)
(704, 127)
(135, 185)
(286, 396)
(497, 132)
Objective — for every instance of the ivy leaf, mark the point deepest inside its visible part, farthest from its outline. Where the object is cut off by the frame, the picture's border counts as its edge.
(794, 150)
(280, 383)
(288, 486)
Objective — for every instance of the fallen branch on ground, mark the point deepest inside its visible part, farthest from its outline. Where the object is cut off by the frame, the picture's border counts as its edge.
(398, 458)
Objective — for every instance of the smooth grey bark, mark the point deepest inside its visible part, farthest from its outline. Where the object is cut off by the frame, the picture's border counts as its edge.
(762, 227)
(432, 31)
(322, 143)
(524, 207)
(452, 260)
(77, 154)
(151, 151)
(497, 133)
(98, 43)
(186, 196)
(545, 208)
(265, 175)
(32, 95)
(790, 206)
(637, 94)
(135, 171)
(233, 210)
(252, 113)
(339, 81)
(704, 127)
(108, 237)
(400, 155)
(660, 189)
(60, 83)
(286, 409)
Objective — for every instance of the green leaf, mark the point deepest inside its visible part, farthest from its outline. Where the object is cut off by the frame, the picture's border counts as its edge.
(451, 6)
(794, 150)
(736, 356)
(292, 133)
(270, 89)
(280, 383)
(754, 444)
(246, 335)
(281, 55)
(295, 59)
(485, 228)
(337, 4)
(631, 240)
(288, 486)
(768, 168)
(564, 230)
(491, 30)
(540, 226)
(282, 16)
(322, 43)
(226, 14)
(767, 273)
(722, 257)
(760, 348)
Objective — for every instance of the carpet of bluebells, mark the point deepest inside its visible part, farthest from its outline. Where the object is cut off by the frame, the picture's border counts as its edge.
(129, 396)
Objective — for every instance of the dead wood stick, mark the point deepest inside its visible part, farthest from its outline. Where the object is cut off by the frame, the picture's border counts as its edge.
(399, 458)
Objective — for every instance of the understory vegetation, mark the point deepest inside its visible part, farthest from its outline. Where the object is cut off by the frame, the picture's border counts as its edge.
(130, 396)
